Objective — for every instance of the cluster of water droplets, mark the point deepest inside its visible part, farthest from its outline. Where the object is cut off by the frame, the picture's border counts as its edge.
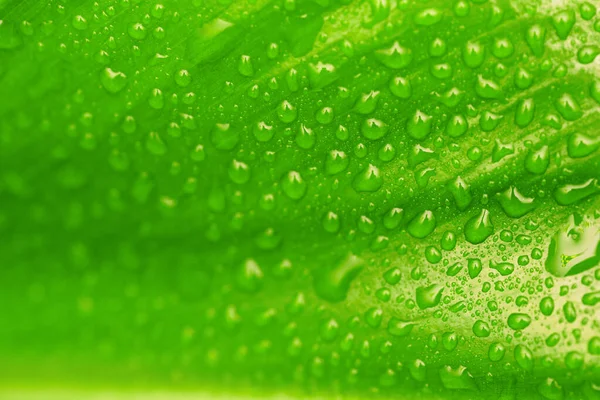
(375, 192)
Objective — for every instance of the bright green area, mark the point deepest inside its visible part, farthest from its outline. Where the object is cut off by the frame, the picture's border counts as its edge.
(309, 198)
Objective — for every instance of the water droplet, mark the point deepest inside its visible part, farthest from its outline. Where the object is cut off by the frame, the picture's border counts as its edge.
(291, 79)
(441, 70)
(591, 299)
(373, 317)
(347, 342)
(369, 180)
(380, 10)
(286, 112)
(183, 78)
(268, 239)
(330, 330)
(422, 224)
(239, 172)
(399, 328)
(587, 10)
(496, 352)
(523, 357)
(419, 154)
(473, 54)
(367, 102)
(321, 74)
(535, 37)
(79, 23)
(503, 268)
(374, 129)
(518, 321)
(336, 162)
(563, 22)
(333, 282)
(479, 228)
(419, 125)
(273, 51)
(501, 150)
(487, 89)
(574, 249)
(155, 145)
(523, 79)
(457, 378)
(452, 97)
(341, 133)
(137, 31)
(474, 267)
(293, 185)
(525, 112)
(537, 160)
(429, 296)
(580, 145)
(550, 389)
(245, 67)
(156, 100)
(569, 311)
(514, 204)
(331, 222)
(481, 329)
(401, 87)
(437, 48)
(418, 370)
(489, 121)
(365, 225)
(457, 126)
(502, 48)
(263, 132)
(324, 116)
(392, 218)
(433, 254)
(552, 340)
(305, 138)
(428, 17)
(113, 81)
(572, 193)
(250, 276)
(223, 137)
(568, 107)
(386, 153)
(594, 346)
(394, 57)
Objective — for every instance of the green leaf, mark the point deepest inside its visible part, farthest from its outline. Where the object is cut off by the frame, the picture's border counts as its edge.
(316, 199)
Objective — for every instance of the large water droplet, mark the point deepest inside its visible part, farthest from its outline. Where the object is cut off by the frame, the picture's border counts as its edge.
(333, 282)
(113, 81)
(479, 228)
(250, 276)
(400, 87)
(374, 129)
(429, 296)
(575, 248)
(422, 224)
(394, 57)
(336, 162)
(224, 137)
(514, 204)
(399, 328)
(487, 89)
(293, 185)
(368, 180)
(572, 193)
(457, 378)
(473, 54)
(419, 125)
